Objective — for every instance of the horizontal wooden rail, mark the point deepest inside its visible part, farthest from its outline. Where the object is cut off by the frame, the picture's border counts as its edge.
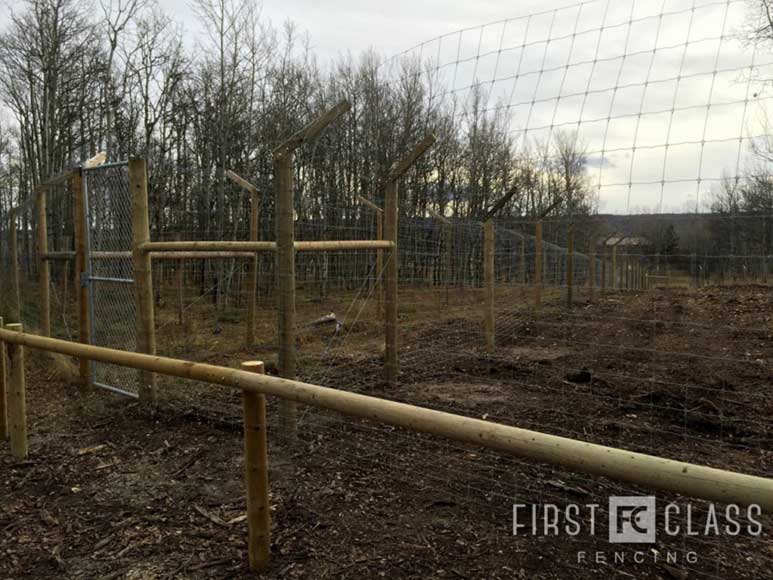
(243, 246)
(225, 250)
(199, 255)
(154, 255)
(334, 245)
(646, 470)
(209, 246)
(58, 256)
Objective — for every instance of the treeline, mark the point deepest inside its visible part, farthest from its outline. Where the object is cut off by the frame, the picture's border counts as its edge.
(117, 77)
(79, 78)
(744, 210)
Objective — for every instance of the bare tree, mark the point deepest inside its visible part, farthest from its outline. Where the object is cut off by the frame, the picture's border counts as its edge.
(117, 14)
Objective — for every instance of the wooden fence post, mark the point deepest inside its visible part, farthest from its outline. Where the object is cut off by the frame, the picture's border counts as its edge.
(143, 275)
(604, 269)
(252, 275)
(489, 280)
(256, 474)
(285, 250)
(570, 266)
(523, 263)
(448, 242)
(391, 272)
(444, 268)
(14, 309)
(285, 271)
(44, 274)
(627, 270)
(444, 265)
(3, 391)
(17, 398)
(592, 270)
(376, 285)
(81, 290)
(379, 262)
(613, 281)
(390, 285)
(538, 264)
(179, 283)
(623, 271)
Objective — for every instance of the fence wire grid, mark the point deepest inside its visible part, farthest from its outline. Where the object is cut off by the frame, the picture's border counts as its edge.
(109, 271)
(638, 126)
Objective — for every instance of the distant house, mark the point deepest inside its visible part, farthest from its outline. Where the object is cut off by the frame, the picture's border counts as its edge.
(629, 241)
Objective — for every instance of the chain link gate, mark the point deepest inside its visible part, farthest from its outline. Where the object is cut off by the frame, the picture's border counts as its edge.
(109, 272)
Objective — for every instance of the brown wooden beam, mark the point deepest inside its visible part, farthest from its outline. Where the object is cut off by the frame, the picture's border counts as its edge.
(580, 456)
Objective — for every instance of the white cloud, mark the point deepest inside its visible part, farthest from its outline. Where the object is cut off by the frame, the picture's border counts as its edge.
(659, 93)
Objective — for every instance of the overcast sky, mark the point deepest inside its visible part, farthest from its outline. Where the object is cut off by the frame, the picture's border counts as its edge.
(641, 74)
(631, 76)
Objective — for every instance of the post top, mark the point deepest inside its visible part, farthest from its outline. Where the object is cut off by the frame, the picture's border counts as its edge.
(241, 182)
(254, 365)
(312, 130)
(402, 165)
(366, 202)
(438, 217)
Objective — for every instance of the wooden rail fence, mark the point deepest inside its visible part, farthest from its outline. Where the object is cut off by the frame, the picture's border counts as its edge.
(627, 466)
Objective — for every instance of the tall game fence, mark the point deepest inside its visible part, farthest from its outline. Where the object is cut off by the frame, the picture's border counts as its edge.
(620, 297)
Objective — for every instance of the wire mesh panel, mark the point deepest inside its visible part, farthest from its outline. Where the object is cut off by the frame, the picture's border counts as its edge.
(61, 263)
(27, 310)
(5, 263)
(638, 329)
(109, 274)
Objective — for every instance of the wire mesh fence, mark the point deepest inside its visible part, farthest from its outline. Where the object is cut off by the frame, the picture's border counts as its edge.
(63, 283)
(634, 328)
(109, 271)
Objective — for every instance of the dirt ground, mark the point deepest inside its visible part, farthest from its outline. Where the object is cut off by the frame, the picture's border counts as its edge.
(111, 491)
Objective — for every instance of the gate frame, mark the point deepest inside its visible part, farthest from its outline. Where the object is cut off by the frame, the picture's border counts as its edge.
(88, 279)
